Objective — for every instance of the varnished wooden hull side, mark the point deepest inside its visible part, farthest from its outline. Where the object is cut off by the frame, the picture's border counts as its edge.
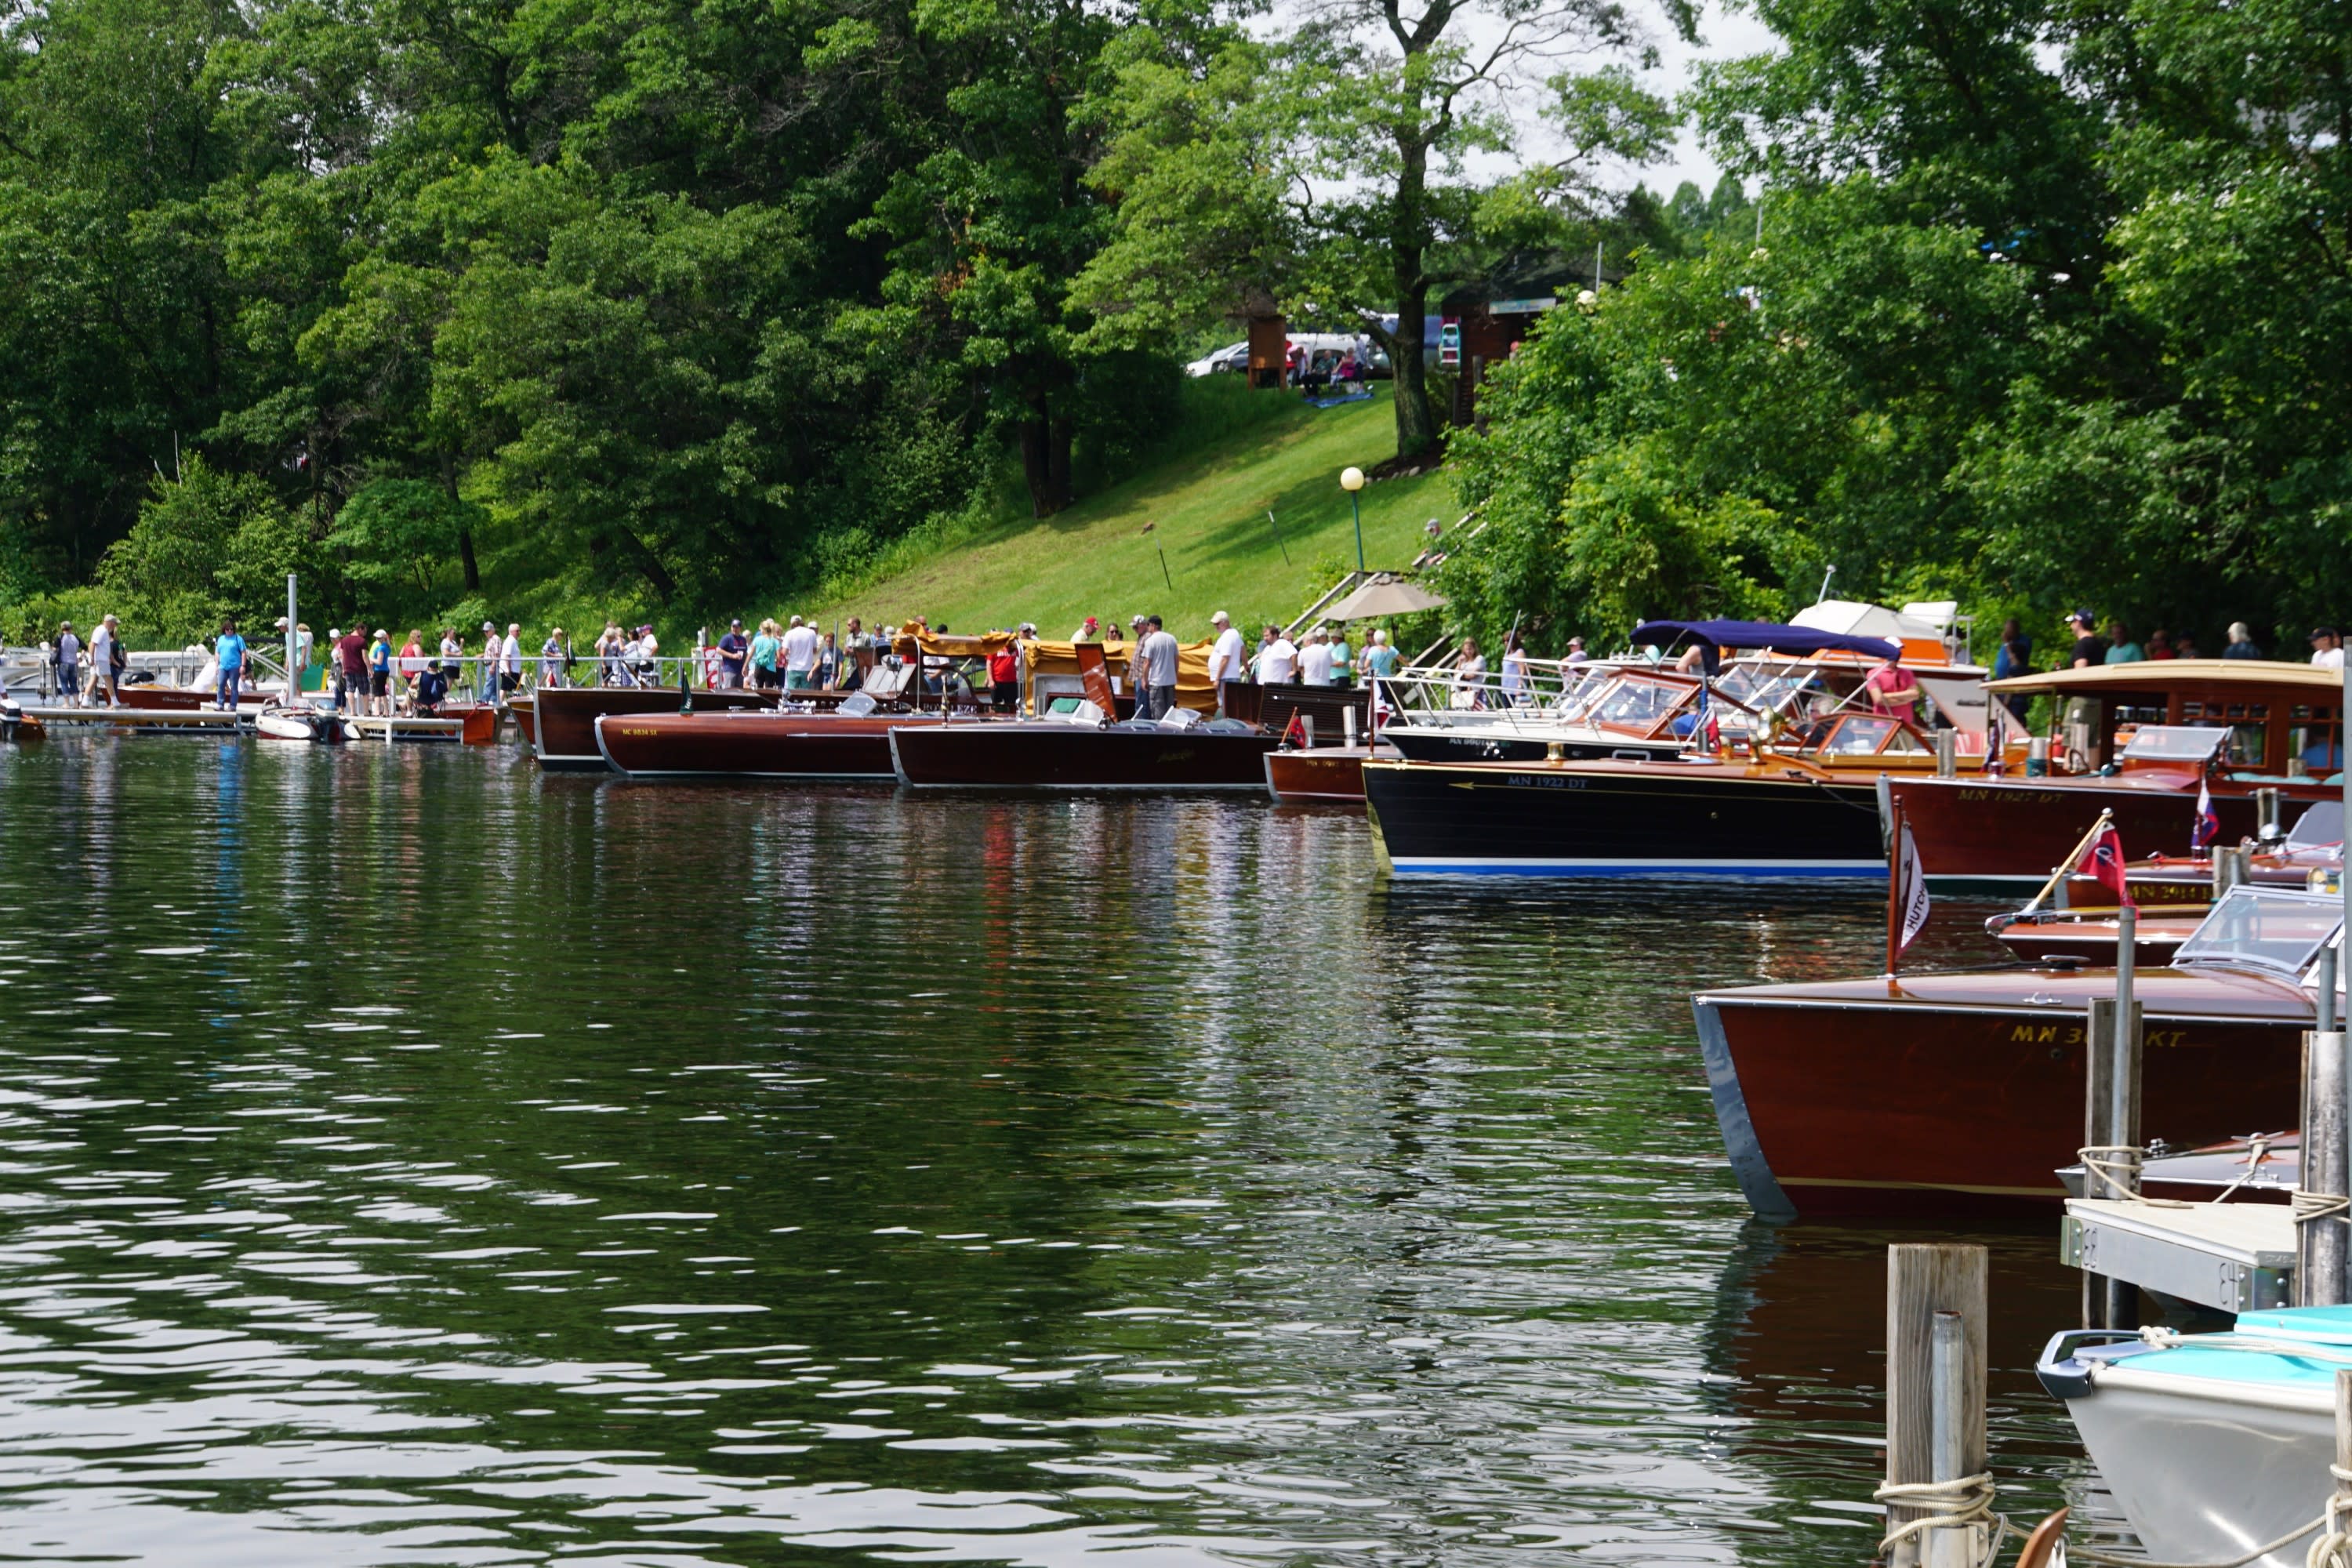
(2016, 830)
(1664, 819)
(1324, 776)
(1056, 757)
(563, 729)
(746, 745)
(1912, 1112)
(1481, 744)
(526, 718)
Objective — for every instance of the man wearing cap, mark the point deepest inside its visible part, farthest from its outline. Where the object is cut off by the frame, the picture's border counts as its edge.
(1226, 661)
(1090, 632)
(1315, 659)
(2090, 648)
(1576, 654)
(800, 642)
(1157, 655)
(2327, 648)
(734, 649)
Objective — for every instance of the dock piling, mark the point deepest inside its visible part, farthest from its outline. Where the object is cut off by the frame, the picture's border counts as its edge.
(2321, 1189)
(2111, 1157)
(1935, 1403)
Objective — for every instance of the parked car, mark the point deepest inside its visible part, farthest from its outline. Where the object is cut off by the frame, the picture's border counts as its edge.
(1234, 357)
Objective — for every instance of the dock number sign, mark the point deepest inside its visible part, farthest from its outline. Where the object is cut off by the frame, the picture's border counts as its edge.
(1449, 341)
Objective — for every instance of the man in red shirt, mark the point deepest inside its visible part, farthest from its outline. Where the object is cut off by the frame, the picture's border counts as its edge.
(350, 669)
(1004, 675)
(1894, 691)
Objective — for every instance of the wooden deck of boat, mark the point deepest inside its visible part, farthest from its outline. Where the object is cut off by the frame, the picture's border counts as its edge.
(2234, 1257)
(143, 718)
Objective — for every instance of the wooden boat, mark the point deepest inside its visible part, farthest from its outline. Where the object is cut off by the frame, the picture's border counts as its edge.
(2232, 726)
(748, 744)
(564, 728)
(1320, 774)
(2091, 936)
(1944, 1094)
(1809, 812)
(1221, 755)
(526, 717)
(18, 725)
(2263, 1169)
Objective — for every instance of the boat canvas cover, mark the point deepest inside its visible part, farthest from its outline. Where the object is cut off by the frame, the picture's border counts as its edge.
(1795, 641)
(1192, 688)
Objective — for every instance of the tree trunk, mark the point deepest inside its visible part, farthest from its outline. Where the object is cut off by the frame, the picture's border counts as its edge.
(1408, 242)
(649, 564)
(1046, 462)
(464, 535)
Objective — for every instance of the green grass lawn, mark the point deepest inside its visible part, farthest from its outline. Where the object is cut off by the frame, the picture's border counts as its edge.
(1208, 514)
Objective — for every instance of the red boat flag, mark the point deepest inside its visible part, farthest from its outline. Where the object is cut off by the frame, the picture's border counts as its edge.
(1910, 889)
(2105, 863)
(1294, 733)
(2208, 821)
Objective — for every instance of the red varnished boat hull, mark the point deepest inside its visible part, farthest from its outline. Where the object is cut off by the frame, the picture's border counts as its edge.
(2015, 830)
(1839, 1108)
(1074, 757)
(1324, 775)
(563, 729)
(753, 745)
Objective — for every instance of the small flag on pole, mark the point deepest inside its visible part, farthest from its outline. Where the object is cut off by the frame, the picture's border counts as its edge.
(1910, 889)
(2105, 865)
(2208, 821)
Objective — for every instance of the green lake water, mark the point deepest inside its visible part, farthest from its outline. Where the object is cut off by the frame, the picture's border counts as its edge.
(409, 1157)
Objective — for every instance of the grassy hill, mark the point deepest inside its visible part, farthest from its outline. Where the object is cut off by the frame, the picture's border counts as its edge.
(1207, 512)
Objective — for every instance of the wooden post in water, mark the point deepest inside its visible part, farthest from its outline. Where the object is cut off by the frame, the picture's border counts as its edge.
(2111, 1097)
(1934, 1386)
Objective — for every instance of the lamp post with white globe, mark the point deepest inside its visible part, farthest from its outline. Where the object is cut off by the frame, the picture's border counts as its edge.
(1352, 480)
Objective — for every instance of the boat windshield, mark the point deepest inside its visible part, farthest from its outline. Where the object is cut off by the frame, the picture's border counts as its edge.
(2175, 743)
(2321, 825)
(1863, 735)
(1768, 689)
(2280, 929)
(1637, 702)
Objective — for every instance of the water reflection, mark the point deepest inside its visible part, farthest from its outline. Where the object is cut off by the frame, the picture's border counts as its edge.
(413, 1158)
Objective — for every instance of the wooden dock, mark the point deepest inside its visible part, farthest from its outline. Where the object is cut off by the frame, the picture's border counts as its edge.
(197, 718)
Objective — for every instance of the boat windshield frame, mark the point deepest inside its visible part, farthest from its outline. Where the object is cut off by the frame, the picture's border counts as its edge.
(2194, 743)
(2249, 900)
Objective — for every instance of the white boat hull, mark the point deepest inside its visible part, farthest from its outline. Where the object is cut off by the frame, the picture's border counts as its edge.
(2207, 1471)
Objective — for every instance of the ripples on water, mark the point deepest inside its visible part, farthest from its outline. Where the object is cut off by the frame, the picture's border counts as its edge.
(405, 1158)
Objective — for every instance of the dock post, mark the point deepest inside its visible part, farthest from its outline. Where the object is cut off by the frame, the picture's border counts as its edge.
(2111, 1137)
(1947, 753)
(2266, 814)
(2320, 1190)
(1935, 1397)
(1306, 726)
(1347, 724)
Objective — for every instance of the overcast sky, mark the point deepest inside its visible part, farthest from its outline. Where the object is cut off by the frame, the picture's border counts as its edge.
(1721, 36)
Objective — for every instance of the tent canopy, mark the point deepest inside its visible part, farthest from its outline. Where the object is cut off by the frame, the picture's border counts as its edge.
(1383, 596)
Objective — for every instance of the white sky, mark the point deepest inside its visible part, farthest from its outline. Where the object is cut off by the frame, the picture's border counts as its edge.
(1722, 36)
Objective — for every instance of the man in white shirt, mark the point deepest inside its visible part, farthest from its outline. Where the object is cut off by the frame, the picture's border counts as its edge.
(800, 655)
(2327, 648)
(1315, 659)
(1226, 659)
(1157, 658)
(105, 645)
(510, 659)
(1278, 665)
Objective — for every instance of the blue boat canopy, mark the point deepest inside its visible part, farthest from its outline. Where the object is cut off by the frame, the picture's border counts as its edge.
(1795, 641)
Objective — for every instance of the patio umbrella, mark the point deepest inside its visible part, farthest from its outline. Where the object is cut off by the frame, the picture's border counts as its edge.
(1384, 597)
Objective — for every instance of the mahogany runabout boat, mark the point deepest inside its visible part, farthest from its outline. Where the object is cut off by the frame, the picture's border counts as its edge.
(2232, 727)
(748, 744)
(1323, 776)
(563, 719)
(1223, 754)
(1962, 1094)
